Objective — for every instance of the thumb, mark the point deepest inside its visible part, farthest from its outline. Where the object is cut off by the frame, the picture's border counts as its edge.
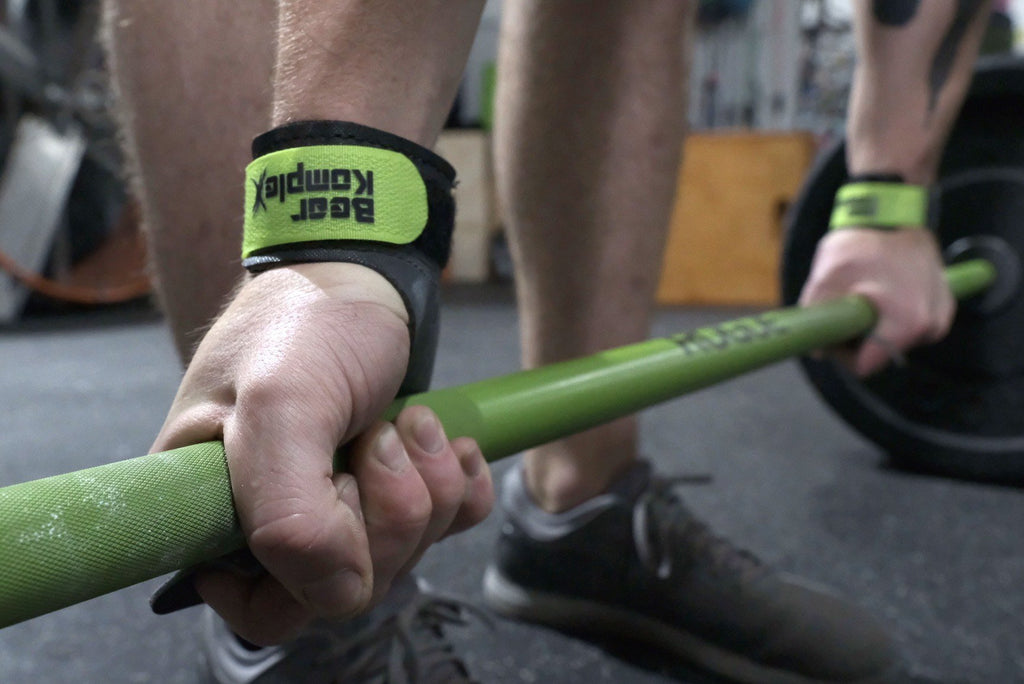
(301, 521)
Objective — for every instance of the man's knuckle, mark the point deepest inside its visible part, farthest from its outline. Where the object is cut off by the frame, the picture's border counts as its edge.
(409, 512)
(451, 492)
(263, 394)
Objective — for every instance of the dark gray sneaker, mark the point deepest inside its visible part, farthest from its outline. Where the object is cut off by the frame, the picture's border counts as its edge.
(402, 641)
(634, 564)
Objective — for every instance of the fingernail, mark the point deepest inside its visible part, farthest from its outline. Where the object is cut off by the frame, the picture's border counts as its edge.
(337, 594)
(428, 433)
(471, 461)
(390, 450)
(348, 493)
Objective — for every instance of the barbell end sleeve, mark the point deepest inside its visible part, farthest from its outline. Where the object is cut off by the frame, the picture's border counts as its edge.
(969, 278)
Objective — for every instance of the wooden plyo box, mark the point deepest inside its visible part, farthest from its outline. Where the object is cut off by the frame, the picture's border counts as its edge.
(476, 218)
(725, 238)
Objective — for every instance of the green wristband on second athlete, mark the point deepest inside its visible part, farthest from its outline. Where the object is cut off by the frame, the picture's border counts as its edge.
(881, 205)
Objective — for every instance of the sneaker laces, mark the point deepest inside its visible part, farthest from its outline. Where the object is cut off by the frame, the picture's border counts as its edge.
(668, 536)
(410, 647)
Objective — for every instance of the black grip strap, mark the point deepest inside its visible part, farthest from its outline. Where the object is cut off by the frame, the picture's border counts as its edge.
(411, 273)
(414, 269)
(438, 175)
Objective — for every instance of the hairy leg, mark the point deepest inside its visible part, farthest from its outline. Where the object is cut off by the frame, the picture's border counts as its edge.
(194, 85)
(589, 126)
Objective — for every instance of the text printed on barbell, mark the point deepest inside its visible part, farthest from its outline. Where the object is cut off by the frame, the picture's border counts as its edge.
(728, 335)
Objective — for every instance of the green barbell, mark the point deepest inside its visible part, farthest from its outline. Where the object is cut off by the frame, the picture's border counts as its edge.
(72, 537)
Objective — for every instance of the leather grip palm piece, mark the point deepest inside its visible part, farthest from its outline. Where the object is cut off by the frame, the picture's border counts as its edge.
(69, 538)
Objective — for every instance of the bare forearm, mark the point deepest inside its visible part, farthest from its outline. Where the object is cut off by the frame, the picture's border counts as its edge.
(915, 63)
(390, 64)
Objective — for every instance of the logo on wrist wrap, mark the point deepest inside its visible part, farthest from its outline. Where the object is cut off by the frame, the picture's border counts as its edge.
(333, 192)
(356, 184)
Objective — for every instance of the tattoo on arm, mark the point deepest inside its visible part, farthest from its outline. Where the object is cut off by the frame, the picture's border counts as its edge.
(942, 64)
(899, 13)
(894, 12)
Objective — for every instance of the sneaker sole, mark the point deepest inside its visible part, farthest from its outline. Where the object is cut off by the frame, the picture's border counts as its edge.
(581, 616)
(226, 661)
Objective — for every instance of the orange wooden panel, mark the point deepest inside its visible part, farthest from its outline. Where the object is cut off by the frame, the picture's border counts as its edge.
(725, 237)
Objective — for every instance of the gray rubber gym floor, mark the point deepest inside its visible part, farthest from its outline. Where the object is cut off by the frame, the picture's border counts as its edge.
(941, 561)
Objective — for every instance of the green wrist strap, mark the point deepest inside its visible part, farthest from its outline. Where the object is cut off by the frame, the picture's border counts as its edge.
(885, 206)
(333, 192)
(337, 191)
(336, 184)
